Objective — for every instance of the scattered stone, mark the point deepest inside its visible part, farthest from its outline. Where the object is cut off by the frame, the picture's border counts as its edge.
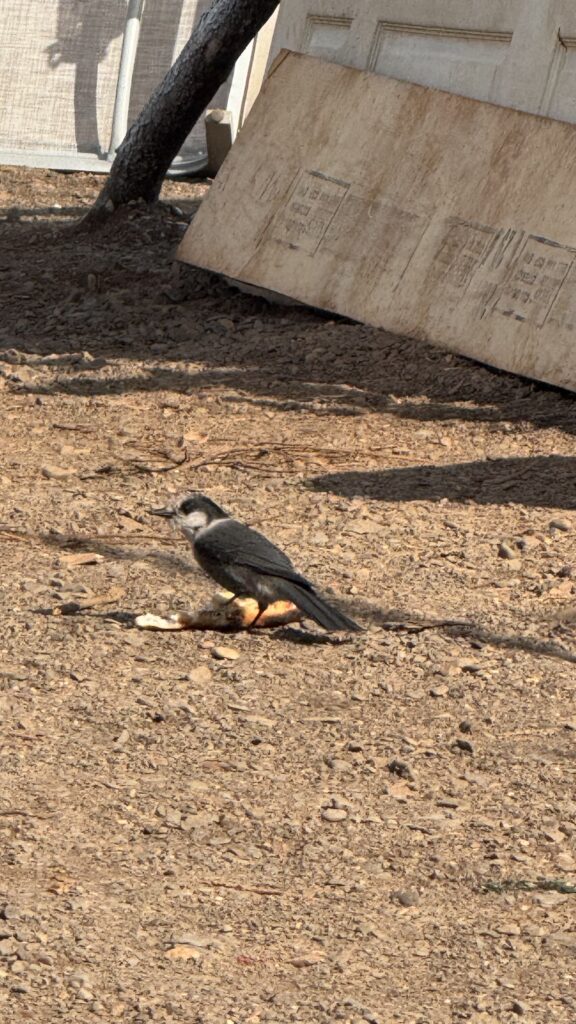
(182, 952)
(334, 813)
(553, 835)
(464, 745)
(529, 542)
(308, 959)
(121, 740)
(421, 949)
(560, 524)
(200, 676)
(507, 551)
(509, 929)
(439, 691)
(192, 939)
(337, 764)
(401, 769)
(225, 653)
(81, 558)
(57, 472)
(406, 897)
(8, 947)
(518, 1008)
(465, 726)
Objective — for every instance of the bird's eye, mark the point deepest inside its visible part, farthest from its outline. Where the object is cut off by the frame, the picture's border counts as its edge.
(188, 506)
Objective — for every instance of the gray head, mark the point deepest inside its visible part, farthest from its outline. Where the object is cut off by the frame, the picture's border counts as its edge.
(191, 513)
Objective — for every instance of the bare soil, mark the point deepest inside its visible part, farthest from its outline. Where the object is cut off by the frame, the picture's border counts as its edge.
(378, 828)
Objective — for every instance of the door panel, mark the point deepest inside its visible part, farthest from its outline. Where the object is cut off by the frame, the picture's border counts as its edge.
(519, 53)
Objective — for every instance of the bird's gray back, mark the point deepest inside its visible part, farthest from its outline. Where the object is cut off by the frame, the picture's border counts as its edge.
(234, 544)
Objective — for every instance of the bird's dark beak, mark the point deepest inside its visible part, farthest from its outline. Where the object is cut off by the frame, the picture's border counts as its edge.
(166, 512)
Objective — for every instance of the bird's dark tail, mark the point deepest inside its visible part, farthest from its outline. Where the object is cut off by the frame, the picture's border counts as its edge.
(314, 607)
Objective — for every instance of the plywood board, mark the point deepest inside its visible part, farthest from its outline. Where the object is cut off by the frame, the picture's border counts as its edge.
(428, 214)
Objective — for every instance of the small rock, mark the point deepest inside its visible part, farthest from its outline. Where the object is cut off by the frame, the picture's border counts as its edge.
(57, 472)
(529, 542)
(192, 939)
(506, 551)
(464, 745)
(509, 929)
(225, 653)
(200, 676)
(121, 740)
(337, 764)
(560, 524)
(465, 726)
(334, 813)
(8, 947)
(308, 959)
(406, 897)
(553, 835)
(422, 949)
(182, 952)
(439, 691)
(401, 769)
(518, 1008)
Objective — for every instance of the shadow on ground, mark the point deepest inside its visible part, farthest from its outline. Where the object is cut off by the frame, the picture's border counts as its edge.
(540, 481)
(120, 298)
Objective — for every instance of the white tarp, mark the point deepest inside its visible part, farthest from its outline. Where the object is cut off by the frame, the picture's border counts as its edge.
(59, 67)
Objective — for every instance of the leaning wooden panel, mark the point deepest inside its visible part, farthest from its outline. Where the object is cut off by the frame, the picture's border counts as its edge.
(434, 216)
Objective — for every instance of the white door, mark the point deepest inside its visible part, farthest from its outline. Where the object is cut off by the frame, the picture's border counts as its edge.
(518, 53)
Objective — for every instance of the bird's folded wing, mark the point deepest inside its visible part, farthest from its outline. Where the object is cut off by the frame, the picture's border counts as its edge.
(243, 546)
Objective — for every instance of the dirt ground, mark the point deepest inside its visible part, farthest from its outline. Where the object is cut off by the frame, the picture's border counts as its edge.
(371, 829)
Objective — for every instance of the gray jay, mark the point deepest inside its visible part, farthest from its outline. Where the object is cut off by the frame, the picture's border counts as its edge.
(246, 563)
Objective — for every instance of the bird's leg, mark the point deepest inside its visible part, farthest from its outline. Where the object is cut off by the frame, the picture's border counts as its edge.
(261, 609)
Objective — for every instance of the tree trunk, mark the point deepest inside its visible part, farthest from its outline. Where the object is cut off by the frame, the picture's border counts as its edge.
(160, 130)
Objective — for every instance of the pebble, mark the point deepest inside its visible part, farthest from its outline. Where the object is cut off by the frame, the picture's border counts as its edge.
(406, 897)
(401, 769)
(192, 939)
(560, 524)
(8, 947)
(337, 764)
(308, 959)
(439, 691)
(518, 1008)
(464, 745)
(201, 675)
(334, 813)
(225, 653)
(182, 952)
(57, 472)
(506, 551)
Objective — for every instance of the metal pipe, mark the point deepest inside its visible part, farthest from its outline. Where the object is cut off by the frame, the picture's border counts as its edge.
(125, 72)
